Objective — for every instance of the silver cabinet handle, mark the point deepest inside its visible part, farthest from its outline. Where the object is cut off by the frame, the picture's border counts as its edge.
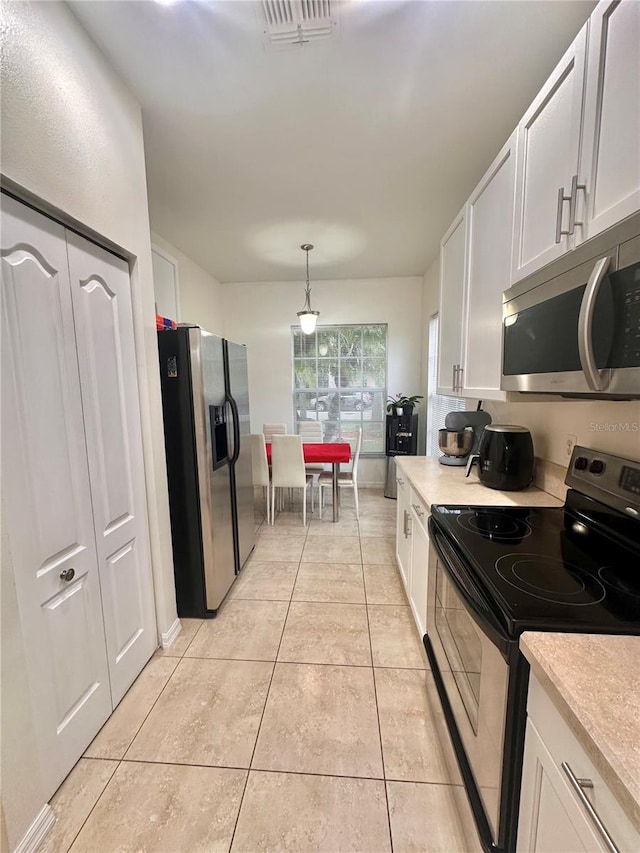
(417, 510)
(573, 203)
(561, 200)
(595, 380)
(460, 380)
(578, 786)
(67, 574)
(404, 523)
(456, 372)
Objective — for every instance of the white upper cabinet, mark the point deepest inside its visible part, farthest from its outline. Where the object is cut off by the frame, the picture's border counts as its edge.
(489, 238)
(452, 275)
(548, 158)
(610, 167)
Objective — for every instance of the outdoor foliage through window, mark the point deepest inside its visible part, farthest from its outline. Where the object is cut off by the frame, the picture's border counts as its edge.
(340, 379)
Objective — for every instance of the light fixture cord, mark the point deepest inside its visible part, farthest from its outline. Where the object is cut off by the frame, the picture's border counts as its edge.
(307, 293)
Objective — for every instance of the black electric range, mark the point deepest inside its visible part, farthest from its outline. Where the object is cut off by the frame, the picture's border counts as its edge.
(495, 572)
(551, 569)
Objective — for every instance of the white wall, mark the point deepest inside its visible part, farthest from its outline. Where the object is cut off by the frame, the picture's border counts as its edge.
(260, 314)
(604, 425)
(430, 300)
(201, 295)
(72, 140)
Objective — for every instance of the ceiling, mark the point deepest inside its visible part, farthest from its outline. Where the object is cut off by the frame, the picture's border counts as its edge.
(365, 145)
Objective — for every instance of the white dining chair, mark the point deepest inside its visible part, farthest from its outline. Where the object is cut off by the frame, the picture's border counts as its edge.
(312, 431)
(260, 467)
(346, 479)
(288, 472)
(270, 430)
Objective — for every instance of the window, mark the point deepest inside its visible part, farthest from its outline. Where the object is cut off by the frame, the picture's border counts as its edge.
(340, 379)
(438, 406)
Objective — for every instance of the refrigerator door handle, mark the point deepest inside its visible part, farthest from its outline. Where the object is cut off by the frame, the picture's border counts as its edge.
(236, 429)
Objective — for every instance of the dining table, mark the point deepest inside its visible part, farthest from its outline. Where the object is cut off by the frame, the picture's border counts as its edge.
(332, 453)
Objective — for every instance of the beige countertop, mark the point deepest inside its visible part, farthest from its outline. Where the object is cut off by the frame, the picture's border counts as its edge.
(446, 484)
(594, 681)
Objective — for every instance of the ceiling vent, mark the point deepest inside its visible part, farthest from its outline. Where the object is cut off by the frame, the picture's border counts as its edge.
(296, 23)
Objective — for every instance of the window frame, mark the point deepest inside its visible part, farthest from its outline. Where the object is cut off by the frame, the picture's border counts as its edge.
(318, 390)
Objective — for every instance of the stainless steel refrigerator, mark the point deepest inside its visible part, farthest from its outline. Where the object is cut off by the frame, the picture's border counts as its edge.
(205, 399)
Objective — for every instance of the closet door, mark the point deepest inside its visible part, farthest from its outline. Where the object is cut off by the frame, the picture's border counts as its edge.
(46, 497)
(100, 289)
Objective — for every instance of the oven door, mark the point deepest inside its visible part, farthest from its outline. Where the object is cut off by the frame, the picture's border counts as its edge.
(472, 652)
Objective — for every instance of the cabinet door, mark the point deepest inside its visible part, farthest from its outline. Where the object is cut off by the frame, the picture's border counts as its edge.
(548, 156)
(101, 296)
(419, 567)
(452, 268)
(46, 496)
(489, 240)
(611, 130)
(549, 819)
(403, 531)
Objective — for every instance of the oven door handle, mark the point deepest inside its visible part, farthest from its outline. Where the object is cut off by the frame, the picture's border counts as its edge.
(471, 595)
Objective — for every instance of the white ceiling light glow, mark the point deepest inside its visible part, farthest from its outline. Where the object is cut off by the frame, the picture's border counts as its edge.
(308, 318)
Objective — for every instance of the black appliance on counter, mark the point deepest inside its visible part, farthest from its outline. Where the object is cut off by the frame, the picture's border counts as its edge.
(505, 457)
(401, 440)
(495, 572)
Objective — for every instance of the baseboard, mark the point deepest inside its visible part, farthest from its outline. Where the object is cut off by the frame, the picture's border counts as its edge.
(169, 637)
(34, 836)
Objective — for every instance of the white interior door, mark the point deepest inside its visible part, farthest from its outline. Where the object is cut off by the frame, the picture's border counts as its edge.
(46, 496)
(100, 289)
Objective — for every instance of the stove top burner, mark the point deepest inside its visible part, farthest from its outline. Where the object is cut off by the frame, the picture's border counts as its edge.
(616, 581)
(551, 579)
(494, 525)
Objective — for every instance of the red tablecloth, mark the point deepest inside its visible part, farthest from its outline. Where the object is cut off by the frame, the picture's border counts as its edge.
(327, 453)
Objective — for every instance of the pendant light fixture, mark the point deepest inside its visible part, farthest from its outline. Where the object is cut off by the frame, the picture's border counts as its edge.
(308, 318)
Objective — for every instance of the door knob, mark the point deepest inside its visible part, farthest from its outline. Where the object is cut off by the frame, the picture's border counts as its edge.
(67, 574)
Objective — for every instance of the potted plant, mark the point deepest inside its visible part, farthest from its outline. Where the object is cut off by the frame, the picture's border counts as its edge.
(401, 404)
(409, 403)
(393, 403)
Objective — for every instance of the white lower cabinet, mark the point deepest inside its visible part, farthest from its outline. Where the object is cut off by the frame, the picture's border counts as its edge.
(565, 804)
(403, 530)
(412, 550)
(73, 492)
(419, 563)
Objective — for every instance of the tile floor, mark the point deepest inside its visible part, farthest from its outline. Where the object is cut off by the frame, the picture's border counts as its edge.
(303, 718)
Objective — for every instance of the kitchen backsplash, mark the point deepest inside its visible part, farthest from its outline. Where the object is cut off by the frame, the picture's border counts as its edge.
(610, 426)
(550, 478)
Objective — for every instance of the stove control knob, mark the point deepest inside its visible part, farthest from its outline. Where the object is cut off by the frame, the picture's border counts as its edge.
(597, 466)
(581, 463)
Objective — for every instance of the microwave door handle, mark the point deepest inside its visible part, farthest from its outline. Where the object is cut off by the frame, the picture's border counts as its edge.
(585, 326)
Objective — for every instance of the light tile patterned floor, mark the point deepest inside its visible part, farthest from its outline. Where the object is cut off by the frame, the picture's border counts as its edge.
(303, 718)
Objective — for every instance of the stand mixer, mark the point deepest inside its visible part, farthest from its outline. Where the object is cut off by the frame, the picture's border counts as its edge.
(461, 435)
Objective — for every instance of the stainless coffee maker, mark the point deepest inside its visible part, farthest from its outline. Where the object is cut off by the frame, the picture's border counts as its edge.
(460, 436)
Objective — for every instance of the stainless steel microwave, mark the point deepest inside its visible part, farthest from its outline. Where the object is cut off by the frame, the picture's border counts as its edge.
(573, 328)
